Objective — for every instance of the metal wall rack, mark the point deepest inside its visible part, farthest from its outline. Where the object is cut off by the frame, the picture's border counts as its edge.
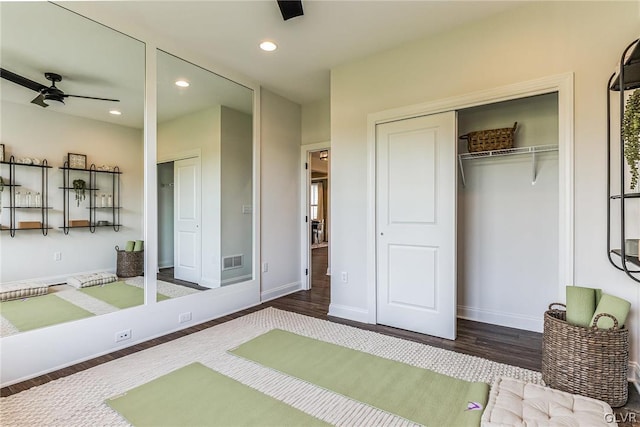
(114, 209)
(533, 150)
(44, 202)
(627, 78)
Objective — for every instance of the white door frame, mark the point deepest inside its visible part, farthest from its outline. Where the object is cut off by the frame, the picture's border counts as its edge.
(305, 226)
(563, 85)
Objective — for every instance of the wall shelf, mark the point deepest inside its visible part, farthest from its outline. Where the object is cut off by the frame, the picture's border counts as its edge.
(532, 151)
(627, 77)
(91, 190)
(44, 208)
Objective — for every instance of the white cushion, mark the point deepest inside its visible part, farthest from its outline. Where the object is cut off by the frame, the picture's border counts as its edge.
(92, 279)
(10, 291)
(517, 403)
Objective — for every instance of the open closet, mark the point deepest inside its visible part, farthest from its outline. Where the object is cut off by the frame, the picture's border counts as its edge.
(508, 215)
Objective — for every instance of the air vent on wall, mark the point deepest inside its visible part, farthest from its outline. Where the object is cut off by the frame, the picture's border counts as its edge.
(232, 261)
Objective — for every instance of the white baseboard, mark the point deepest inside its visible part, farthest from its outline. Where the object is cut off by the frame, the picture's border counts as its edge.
(510, 320)
(165, 264)
(280, 291)
(350, 313)
(209, 283)
(237, 279)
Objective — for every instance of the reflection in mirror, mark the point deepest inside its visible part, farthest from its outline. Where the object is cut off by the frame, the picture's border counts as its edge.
(72, 170)
(205, 178)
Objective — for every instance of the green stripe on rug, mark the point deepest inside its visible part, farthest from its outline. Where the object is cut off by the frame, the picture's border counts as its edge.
(198, 396)
(119, 294)
(417, 394)
(41, 311)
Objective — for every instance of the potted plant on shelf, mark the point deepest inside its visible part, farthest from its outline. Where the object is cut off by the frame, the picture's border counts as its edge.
(631, 135)
(79, 187)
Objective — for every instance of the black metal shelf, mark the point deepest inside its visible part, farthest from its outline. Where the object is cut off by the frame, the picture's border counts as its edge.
(92, 189)
(632, 259)
(627, 196)
(24, 229)
(27, 207)
(626, 78)
(44, 190)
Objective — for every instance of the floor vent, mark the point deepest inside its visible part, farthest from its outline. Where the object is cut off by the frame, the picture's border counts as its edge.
(233, 261)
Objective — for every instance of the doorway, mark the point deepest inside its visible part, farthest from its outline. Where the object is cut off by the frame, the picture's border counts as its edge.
(179, 248)
(316, 241)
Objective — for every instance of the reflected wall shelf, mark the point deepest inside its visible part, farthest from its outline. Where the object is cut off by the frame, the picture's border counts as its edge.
(43, 202)
(533, 150)
(91, 190)
(626, 78)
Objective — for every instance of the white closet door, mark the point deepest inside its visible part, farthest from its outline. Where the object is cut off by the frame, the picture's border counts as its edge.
(416, 224)
(187, 235)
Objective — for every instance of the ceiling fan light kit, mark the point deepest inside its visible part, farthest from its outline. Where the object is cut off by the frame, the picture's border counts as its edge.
(45, 93)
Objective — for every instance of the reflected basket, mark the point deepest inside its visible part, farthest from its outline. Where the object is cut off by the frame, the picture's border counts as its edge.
(129, 264)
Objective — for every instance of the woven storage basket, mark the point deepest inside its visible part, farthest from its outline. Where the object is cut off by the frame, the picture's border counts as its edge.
(491, 139)
(129, 264)
(588, 361)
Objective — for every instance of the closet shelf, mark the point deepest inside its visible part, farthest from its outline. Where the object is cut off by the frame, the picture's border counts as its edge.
(628, 196)
(533, 150)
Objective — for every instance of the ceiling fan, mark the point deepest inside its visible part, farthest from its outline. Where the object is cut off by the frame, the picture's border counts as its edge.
(50, 93)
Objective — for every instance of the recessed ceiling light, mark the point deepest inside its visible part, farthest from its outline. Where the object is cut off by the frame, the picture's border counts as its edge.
(182, 83)
(115, 112)
(268, 46)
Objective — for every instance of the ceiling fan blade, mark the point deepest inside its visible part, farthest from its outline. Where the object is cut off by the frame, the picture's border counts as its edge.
(22, 81)
(39, 100)
(92, 97)
(290, 8)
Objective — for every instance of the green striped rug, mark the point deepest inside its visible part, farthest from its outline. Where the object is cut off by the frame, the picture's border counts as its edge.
(417, 394)
(198, 396)
(41, 311)
(119, 294)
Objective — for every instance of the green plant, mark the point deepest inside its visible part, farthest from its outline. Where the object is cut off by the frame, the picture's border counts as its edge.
(79, 187)
(631, 135)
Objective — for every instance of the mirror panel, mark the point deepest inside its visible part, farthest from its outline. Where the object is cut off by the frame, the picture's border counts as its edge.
(92, 61)
(205, 178)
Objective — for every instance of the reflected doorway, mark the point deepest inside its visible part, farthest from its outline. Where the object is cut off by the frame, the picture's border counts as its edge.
(319, 221)
(175, 202)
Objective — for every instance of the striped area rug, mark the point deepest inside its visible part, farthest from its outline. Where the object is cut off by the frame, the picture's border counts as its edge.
(78, 400)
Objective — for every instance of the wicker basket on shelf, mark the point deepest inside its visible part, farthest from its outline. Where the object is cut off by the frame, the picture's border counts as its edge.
(129, 264)
(490, 139)
(588, 361)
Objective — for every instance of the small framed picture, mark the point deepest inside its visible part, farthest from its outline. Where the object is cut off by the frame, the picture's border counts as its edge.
(77, 161)
(1, 152)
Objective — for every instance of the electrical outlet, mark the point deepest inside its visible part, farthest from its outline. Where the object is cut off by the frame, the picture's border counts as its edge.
(57, 256)
(345, 277)
(123, 335)
(265, 267)
(184, 317)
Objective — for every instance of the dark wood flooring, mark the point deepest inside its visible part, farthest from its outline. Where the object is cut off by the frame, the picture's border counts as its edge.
(505, 345)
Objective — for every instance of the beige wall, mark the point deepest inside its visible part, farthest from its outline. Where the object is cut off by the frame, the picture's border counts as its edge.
(280, 174)
(533, 41)
(316, 122)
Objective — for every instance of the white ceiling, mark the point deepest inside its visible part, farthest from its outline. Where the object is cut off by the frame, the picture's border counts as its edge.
(330, 32)
(96, 61)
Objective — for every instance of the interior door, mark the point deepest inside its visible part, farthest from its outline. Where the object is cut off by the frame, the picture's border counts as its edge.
(187, 235)
(416, 224)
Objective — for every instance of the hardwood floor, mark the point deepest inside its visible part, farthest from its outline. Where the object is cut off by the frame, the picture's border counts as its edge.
(500, 344)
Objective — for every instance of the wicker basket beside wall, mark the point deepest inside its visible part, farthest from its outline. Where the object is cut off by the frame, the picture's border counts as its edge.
(129, 264)
(588, 361)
